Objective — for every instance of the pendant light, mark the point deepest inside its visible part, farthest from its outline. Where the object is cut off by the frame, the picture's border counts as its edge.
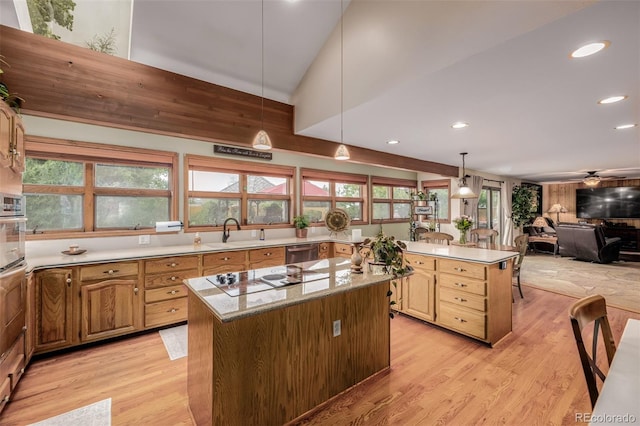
(261, 140)
(342, 153)
(463, 191)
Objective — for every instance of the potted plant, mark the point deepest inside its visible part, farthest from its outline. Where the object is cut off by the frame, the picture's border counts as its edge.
(524, 202)
(11, 99)
(463, 224)
(301, 224)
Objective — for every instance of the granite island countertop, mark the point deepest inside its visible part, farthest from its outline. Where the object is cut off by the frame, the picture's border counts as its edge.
(250, 294)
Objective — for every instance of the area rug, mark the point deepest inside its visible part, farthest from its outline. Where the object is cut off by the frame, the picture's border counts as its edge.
(175, 341)
(96, 414)
(618, 282)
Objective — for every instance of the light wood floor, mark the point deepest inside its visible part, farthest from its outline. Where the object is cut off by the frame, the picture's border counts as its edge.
(532, 377)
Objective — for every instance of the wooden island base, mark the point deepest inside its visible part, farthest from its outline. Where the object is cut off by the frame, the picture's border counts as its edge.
(274, 366)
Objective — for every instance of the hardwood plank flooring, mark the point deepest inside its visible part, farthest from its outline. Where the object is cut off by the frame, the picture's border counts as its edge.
(532, 377)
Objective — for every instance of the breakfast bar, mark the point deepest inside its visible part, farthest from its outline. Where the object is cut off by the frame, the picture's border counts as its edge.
(268, 345)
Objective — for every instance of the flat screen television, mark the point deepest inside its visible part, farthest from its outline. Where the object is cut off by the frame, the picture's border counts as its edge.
(608, 203)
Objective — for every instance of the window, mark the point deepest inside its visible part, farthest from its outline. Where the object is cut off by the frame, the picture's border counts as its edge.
(322, 191)
(489, 208)
(442, 189)
(252, 193)
(391, 199)
(73, 187)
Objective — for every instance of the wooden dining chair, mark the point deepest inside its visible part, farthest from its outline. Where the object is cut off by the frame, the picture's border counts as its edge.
(522, 243)
(483, 236)
(420, 233)
(592, 309)
(438, 237)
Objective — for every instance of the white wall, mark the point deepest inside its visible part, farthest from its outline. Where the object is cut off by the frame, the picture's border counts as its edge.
(60, 129)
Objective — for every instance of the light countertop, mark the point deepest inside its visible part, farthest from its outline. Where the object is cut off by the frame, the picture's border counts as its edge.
(57, 259)
(226, 307)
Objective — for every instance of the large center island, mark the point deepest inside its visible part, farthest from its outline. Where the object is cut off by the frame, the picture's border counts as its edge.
(268, 345)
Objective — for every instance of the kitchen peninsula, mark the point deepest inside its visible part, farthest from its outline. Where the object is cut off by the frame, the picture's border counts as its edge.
(268, 345)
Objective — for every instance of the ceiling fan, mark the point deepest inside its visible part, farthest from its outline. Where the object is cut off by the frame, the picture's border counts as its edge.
(592, 178)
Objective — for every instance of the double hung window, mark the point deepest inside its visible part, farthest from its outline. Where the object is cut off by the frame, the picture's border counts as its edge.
(391, 199)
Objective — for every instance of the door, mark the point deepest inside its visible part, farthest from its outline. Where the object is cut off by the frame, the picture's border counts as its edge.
(5, 135)
(419, 295)
(12, 305)
(17, 151)
(109, 308)
(53, 309)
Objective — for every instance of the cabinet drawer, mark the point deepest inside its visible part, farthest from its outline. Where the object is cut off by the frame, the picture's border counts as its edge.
(466, 269)
(168, 279)
(462, 298)
(167, 312)
(323, 248)
(340, 249)
(212, 260)
(165, 293)
(5, 391)
(174, 263)
(465, 284)
(108, 270)
(15, 361)
(463, 320)
(259, 255)
(422, 262)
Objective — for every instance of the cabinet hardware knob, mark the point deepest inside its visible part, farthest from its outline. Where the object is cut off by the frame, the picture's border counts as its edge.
(460, 284)
(460, 299)
(22, 371)
(172, 292)
(69, 281)
(459, 319)
(5, 399)
(172, 310)
(172, 265)
(111, 271)
(268, 254)
(225, 258)
(135, 290)
(172, 278)
(459, 269)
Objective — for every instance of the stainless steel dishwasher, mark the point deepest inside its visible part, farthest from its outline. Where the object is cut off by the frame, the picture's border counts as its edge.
(301, 253)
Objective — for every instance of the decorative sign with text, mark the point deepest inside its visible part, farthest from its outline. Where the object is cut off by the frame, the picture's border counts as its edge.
(423, 210)
(242, 152)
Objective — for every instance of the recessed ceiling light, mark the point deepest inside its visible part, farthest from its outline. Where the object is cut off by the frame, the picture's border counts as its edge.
(459, 125)
(612, 99)
(393, 142)
(625, 126)
(590, 49)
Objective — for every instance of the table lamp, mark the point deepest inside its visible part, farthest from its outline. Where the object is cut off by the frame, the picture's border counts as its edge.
(557, 209)
(540, 222)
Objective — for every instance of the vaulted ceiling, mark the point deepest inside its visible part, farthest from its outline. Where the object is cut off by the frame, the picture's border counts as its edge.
(407, 70)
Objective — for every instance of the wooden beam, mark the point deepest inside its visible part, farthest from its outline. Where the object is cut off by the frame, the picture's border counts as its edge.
(64, 81)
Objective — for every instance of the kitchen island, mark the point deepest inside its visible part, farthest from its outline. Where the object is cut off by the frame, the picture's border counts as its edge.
(268, 345)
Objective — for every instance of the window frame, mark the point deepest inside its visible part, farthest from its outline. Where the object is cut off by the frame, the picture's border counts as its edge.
(334, 177)
(244, 169)
(426, 185)
(392, 183)
(90, 154)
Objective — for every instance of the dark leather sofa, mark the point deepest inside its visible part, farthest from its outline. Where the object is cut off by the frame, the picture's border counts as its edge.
(587, 242)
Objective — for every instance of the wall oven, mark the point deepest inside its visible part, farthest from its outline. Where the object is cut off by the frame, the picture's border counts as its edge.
(12, 232)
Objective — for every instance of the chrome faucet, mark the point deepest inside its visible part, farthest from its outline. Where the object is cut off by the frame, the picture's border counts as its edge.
(225, 231)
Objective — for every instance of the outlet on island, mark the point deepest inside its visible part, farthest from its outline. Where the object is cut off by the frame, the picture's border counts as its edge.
(336, 328)
(144, 239)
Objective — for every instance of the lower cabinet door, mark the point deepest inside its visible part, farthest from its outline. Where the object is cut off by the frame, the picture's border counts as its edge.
(418, 295)
(109, 308)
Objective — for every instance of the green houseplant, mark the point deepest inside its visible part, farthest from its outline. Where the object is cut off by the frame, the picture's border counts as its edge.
(524, 202)
(301, 224)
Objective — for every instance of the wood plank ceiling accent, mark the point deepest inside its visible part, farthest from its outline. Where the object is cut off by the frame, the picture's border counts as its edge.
(61, 80)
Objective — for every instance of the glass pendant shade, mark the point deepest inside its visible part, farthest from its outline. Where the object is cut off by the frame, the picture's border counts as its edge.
(262, 141)
(591, 180)
(342, 153)
(464, 191)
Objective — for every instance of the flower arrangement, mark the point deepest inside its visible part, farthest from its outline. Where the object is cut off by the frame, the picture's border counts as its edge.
(463, 224)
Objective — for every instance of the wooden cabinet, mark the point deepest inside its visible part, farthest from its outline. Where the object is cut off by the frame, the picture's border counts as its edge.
(30, 318)
(419, 288)
(17, 146)
(263, 258)
(109, 300)
(12, 326)
(324, 250)
(223, 262)
(53, 307)
(342, 250)
(11, 139)
(165, 297)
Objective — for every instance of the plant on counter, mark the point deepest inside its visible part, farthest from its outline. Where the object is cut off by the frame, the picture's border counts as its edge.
(463, 224)
(301, 224)
(387, 254)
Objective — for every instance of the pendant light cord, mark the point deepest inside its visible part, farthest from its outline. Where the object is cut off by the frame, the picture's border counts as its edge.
(341, 72)
(262, 71)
